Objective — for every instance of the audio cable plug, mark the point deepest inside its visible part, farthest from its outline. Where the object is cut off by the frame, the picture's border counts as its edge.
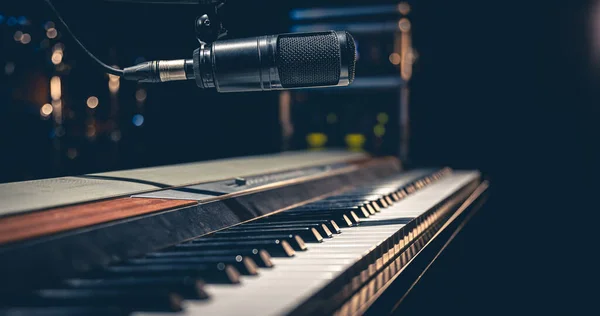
(160, 71)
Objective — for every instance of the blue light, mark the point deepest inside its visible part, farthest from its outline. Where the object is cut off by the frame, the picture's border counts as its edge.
(355, 27)
(23, 20)
(11, 21)
(138, 120)
(139, 60)
(1, 18)
(337, 12)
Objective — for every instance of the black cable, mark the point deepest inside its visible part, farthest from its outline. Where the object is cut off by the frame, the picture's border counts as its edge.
(109, 69)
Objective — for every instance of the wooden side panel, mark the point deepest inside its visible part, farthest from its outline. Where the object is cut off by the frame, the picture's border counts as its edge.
(20, 227)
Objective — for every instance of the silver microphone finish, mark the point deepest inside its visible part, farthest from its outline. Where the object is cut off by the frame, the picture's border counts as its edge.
(170, 70)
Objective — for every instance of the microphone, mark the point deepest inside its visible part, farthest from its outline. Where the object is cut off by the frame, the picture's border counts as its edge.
(264, 63)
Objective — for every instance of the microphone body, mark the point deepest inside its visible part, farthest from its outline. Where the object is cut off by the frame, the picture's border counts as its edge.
(264, 63)
(276, 62)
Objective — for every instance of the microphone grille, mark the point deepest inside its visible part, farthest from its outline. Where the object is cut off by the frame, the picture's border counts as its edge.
(351, 56)
(305, 60)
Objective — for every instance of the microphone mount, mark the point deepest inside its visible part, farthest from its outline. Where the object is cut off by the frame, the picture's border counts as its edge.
(209, 26)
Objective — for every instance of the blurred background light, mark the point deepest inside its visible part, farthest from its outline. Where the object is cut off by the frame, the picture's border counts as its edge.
(316, 140)
(46, 110)
(90, 130)
(395, 58)
(404, 8)
(382, 118)
(17, 36)
(11, 21)
(26, 38)
(115, 136)
(92, 102)
(9, 68)
(114, 83)
(404, 25)
(51, 33)
(55, 88)
(332, 118)
(379, 130)
(140, 95)
(57, 57)
(23, 21)
(138, 120)
(72, 153)
(355, 141)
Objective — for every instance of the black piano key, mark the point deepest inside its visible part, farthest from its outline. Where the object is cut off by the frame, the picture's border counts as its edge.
(372, 191)
(381, 194)
(324, 212)
(245, 265)
(377, 203)
(350, 213)
(401, 194)
(371, 208)
(190, 288)
(331, 224)
(374, 206)
(359, 210)
(347, 220)
(339, 219)
(294, 240)
(352, 195)
(64, 311)
(394, 197)
(211, 273)
(332, 204)
(308, 234)
(321, 228)
(382, 187)
(260, 256)
(276, 247)
(388, 200)
(357, 200)
(142, 300)
(374, 201)
(383, 202)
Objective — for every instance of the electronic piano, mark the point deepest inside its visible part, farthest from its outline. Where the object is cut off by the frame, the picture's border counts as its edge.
(297, 233)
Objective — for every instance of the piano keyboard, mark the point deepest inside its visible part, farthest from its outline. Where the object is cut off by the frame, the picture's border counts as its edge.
(331, 256)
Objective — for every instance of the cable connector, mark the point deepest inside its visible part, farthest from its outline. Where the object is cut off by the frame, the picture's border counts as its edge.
(160, 71)
(144, 72)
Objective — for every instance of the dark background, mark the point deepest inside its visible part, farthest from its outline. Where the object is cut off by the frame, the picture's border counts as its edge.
(507, 87)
